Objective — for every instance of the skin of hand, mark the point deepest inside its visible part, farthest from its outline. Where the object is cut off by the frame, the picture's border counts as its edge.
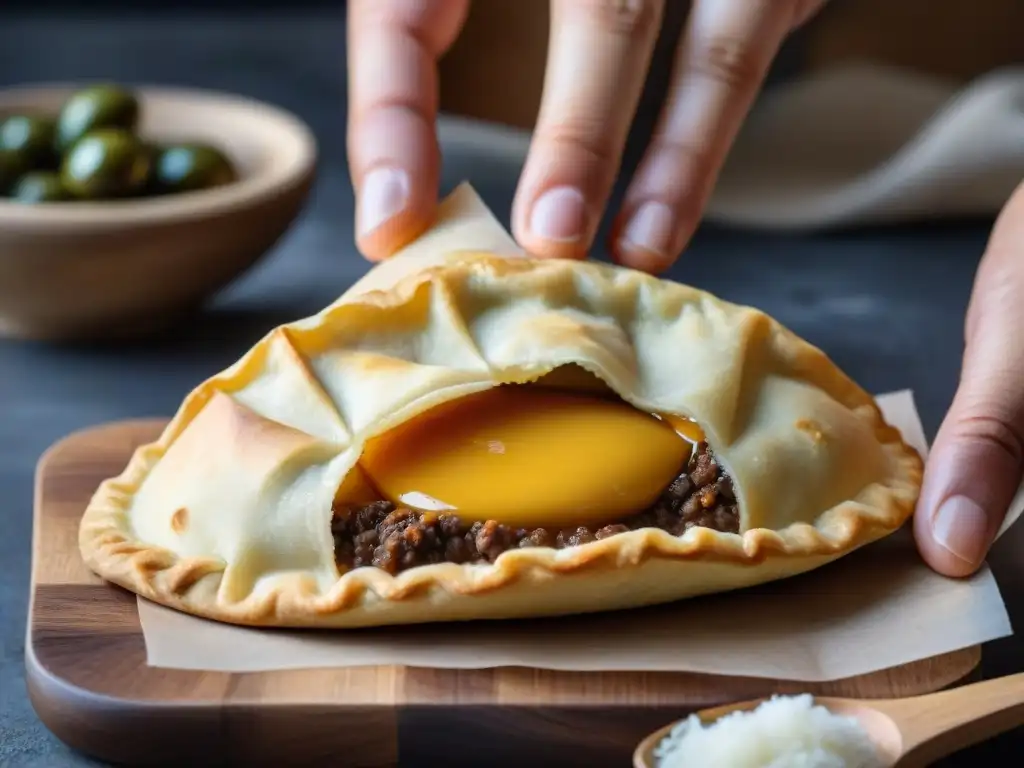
(599, 53)
(598, 57)
(977, 461)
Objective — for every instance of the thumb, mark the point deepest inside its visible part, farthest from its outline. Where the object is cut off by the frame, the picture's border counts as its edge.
(978, 457)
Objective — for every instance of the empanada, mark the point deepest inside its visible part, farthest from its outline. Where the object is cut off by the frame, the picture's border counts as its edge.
(559, 437)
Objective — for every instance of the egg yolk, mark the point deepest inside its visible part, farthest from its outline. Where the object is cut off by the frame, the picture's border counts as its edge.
(529, 457)
(687, 429)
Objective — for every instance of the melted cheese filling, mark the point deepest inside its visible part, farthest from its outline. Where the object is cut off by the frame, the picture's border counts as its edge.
(531, 457)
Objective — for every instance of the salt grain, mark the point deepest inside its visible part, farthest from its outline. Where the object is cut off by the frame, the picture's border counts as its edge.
(783, 732)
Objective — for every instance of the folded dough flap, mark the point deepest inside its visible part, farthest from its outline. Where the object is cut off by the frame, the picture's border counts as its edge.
(382, 356)
(252, 492)
(258, 453)
(464, 223)
(796, 435)
(276, 381)
(800, 453)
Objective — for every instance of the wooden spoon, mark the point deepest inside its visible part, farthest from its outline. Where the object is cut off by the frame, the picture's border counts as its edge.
(911, 732)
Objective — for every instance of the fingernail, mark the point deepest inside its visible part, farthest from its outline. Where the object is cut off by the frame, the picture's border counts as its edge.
(384, 193)
(961, 526)
(650, 229)
(559, 214)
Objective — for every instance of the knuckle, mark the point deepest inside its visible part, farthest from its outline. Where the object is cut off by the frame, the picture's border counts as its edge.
(388, 114)
(635, 19)
(433, 24)
(689, 159)
(680, 171)
(582, 136)
(734, 61)
(994, 430)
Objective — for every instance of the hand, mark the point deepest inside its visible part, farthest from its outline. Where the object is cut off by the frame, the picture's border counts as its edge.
(598, 57)
(976, 463)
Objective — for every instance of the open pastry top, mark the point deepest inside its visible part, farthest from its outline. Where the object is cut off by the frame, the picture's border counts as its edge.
(229, 514)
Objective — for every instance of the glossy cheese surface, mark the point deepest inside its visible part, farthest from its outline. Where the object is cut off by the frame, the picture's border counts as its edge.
(530, 457)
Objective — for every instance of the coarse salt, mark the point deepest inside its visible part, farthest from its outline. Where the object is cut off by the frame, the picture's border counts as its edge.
(782, 732)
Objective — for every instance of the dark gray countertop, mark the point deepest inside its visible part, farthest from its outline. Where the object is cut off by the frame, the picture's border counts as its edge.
(887, 305)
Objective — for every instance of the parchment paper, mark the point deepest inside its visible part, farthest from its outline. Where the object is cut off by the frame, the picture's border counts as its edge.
(876, 608)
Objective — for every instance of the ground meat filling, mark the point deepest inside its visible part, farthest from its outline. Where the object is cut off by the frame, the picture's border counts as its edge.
(397, 538)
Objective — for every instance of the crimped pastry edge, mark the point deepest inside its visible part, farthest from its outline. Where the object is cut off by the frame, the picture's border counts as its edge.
(627, 570)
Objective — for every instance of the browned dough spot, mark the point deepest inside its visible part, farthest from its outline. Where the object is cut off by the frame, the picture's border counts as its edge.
(812, 429)
(179, 520)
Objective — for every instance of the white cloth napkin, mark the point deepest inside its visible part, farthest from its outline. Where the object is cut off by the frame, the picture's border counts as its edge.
(867, 144)
(857, 144)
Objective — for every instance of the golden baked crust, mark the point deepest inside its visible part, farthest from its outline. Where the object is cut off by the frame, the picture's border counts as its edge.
(228, 514)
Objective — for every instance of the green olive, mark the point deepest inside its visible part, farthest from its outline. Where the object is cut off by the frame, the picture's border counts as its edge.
(100, 106)
(12, 166)
(39, 187)
(107, 163)
(152, 151)
(190, 167)
(32, 136)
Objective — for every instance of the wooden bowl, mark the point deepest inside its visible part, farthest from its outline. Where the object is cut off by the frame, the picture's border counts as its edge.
(121, 268)
(643, 756)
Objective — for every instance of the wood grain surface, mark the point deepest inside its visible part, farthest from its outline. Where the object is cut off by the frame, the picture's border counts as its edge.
(88, 679)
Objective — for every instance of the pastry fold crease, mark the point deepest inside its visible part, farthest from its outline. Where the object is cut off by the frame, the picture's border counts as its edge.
(228, 514)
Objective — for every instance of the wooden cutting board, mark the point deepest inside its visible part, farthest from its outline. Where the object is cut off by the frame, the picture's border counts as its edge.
(88, 680)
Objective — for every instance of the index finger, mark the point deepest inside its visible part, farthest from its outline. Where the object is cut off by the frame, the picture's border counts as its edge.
(394, 161)
(721, 61)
